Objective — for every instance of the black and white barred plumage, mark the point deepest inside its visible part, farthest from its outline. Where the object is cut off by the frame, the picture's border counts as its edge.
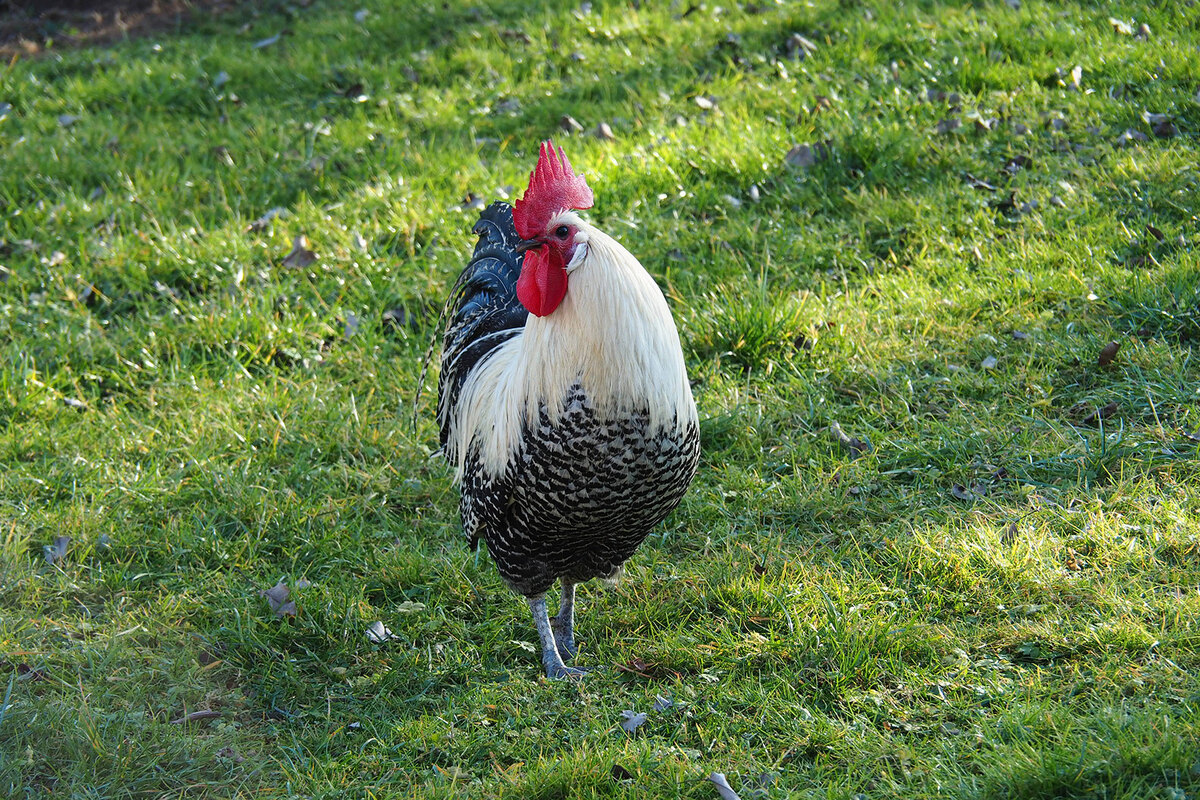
(564, 482)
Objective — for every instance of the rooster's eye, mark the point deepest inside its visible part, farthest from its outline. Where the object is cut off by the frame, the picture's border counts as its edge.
(561, 231)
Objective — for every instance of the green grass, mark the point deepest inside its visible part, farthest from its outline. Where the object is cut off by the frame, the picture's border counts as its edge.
(203, 421)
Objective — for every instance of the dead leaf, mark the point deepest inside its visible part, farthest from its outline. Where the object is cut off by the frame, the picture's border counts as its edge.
(410, 607)
(231, 754)
(1076, 78)
(277, 599)
(805, 155)
(1101, 414)
(75, 403)
(1108, 353)
(960, 492)
(1073, 561)
(1017, 163)
(704, 102)
(57, 551)
(1155, 232)
(349, 329)
(662, 703)
(619, 773)
(988, 363)
(379, 633)
(264, 221)
(301, 256)
(67, 120)
(1143, 32)
(1120, 26)
(196, 716)
(1131, 135)
(604, 131)
(853, 444)
(800, 47)
(1166, 129)
(723, 788)
(513, 35)
(267, 42)
(5, 110)
(978, 183)
(1010, 533)
(570, 124)
(632, 720)
(1057, 201)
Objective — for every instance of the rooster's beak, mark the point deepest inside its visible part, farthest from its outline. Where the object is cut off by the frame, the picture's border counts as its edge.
(528, 244)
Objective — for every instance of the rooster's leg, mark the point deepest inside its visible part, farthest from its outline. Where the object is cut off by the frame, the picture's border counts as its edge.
(563, 623)
(551, 660)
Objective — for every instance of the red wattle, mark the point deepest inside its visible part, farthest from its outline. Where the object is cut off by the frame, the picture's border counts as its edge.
(543, 281)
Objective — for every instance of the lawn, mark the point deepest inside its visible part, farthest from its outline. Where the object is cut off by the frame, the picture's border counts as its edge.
(945, 537)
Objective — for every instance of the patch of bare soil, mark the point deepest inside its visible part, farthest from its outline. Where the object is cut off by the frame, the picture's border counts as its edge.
(29, 28)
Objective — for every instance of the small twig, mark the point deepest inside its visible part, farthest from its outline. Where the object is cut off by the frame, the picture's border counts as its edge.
(196, 716)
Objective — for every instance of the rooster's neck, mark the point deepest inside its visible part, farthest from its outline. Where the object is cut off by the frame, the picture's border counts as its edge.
(613, 335)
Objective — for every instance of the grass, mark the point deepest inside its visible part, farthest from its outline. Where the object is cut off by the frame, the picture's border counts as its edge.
(995, 599)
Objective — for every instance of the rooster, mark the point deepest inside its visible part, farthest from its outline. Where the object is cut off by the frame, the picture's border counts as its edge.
(563, 400)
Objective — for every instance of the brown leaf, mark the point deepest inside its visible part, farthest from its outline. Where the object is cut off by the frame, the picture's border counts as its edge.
(619, 773)
(1108, 353)
(277, 599)
(1166, 130)
(1155, 232)
(604, 131)
(853, 444)
(960, 492)
(1010, 533)
(301, 256)
(1101, 413)
(569, 124)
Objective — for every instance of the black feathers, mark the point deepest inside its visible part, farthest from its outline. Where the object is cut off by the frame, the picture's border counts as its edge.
(485, 311)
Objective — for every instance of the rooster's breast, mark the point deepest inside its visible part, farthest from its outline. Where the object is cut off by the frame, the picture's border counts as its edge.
(586, 490)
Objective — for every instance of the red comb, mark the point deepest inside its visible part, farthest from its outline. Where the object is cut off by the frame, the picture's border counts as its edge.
(553, 187)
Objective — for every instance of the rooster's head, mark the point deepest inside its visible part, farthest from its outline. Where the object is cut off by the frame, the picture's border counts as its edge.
(548, 229)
